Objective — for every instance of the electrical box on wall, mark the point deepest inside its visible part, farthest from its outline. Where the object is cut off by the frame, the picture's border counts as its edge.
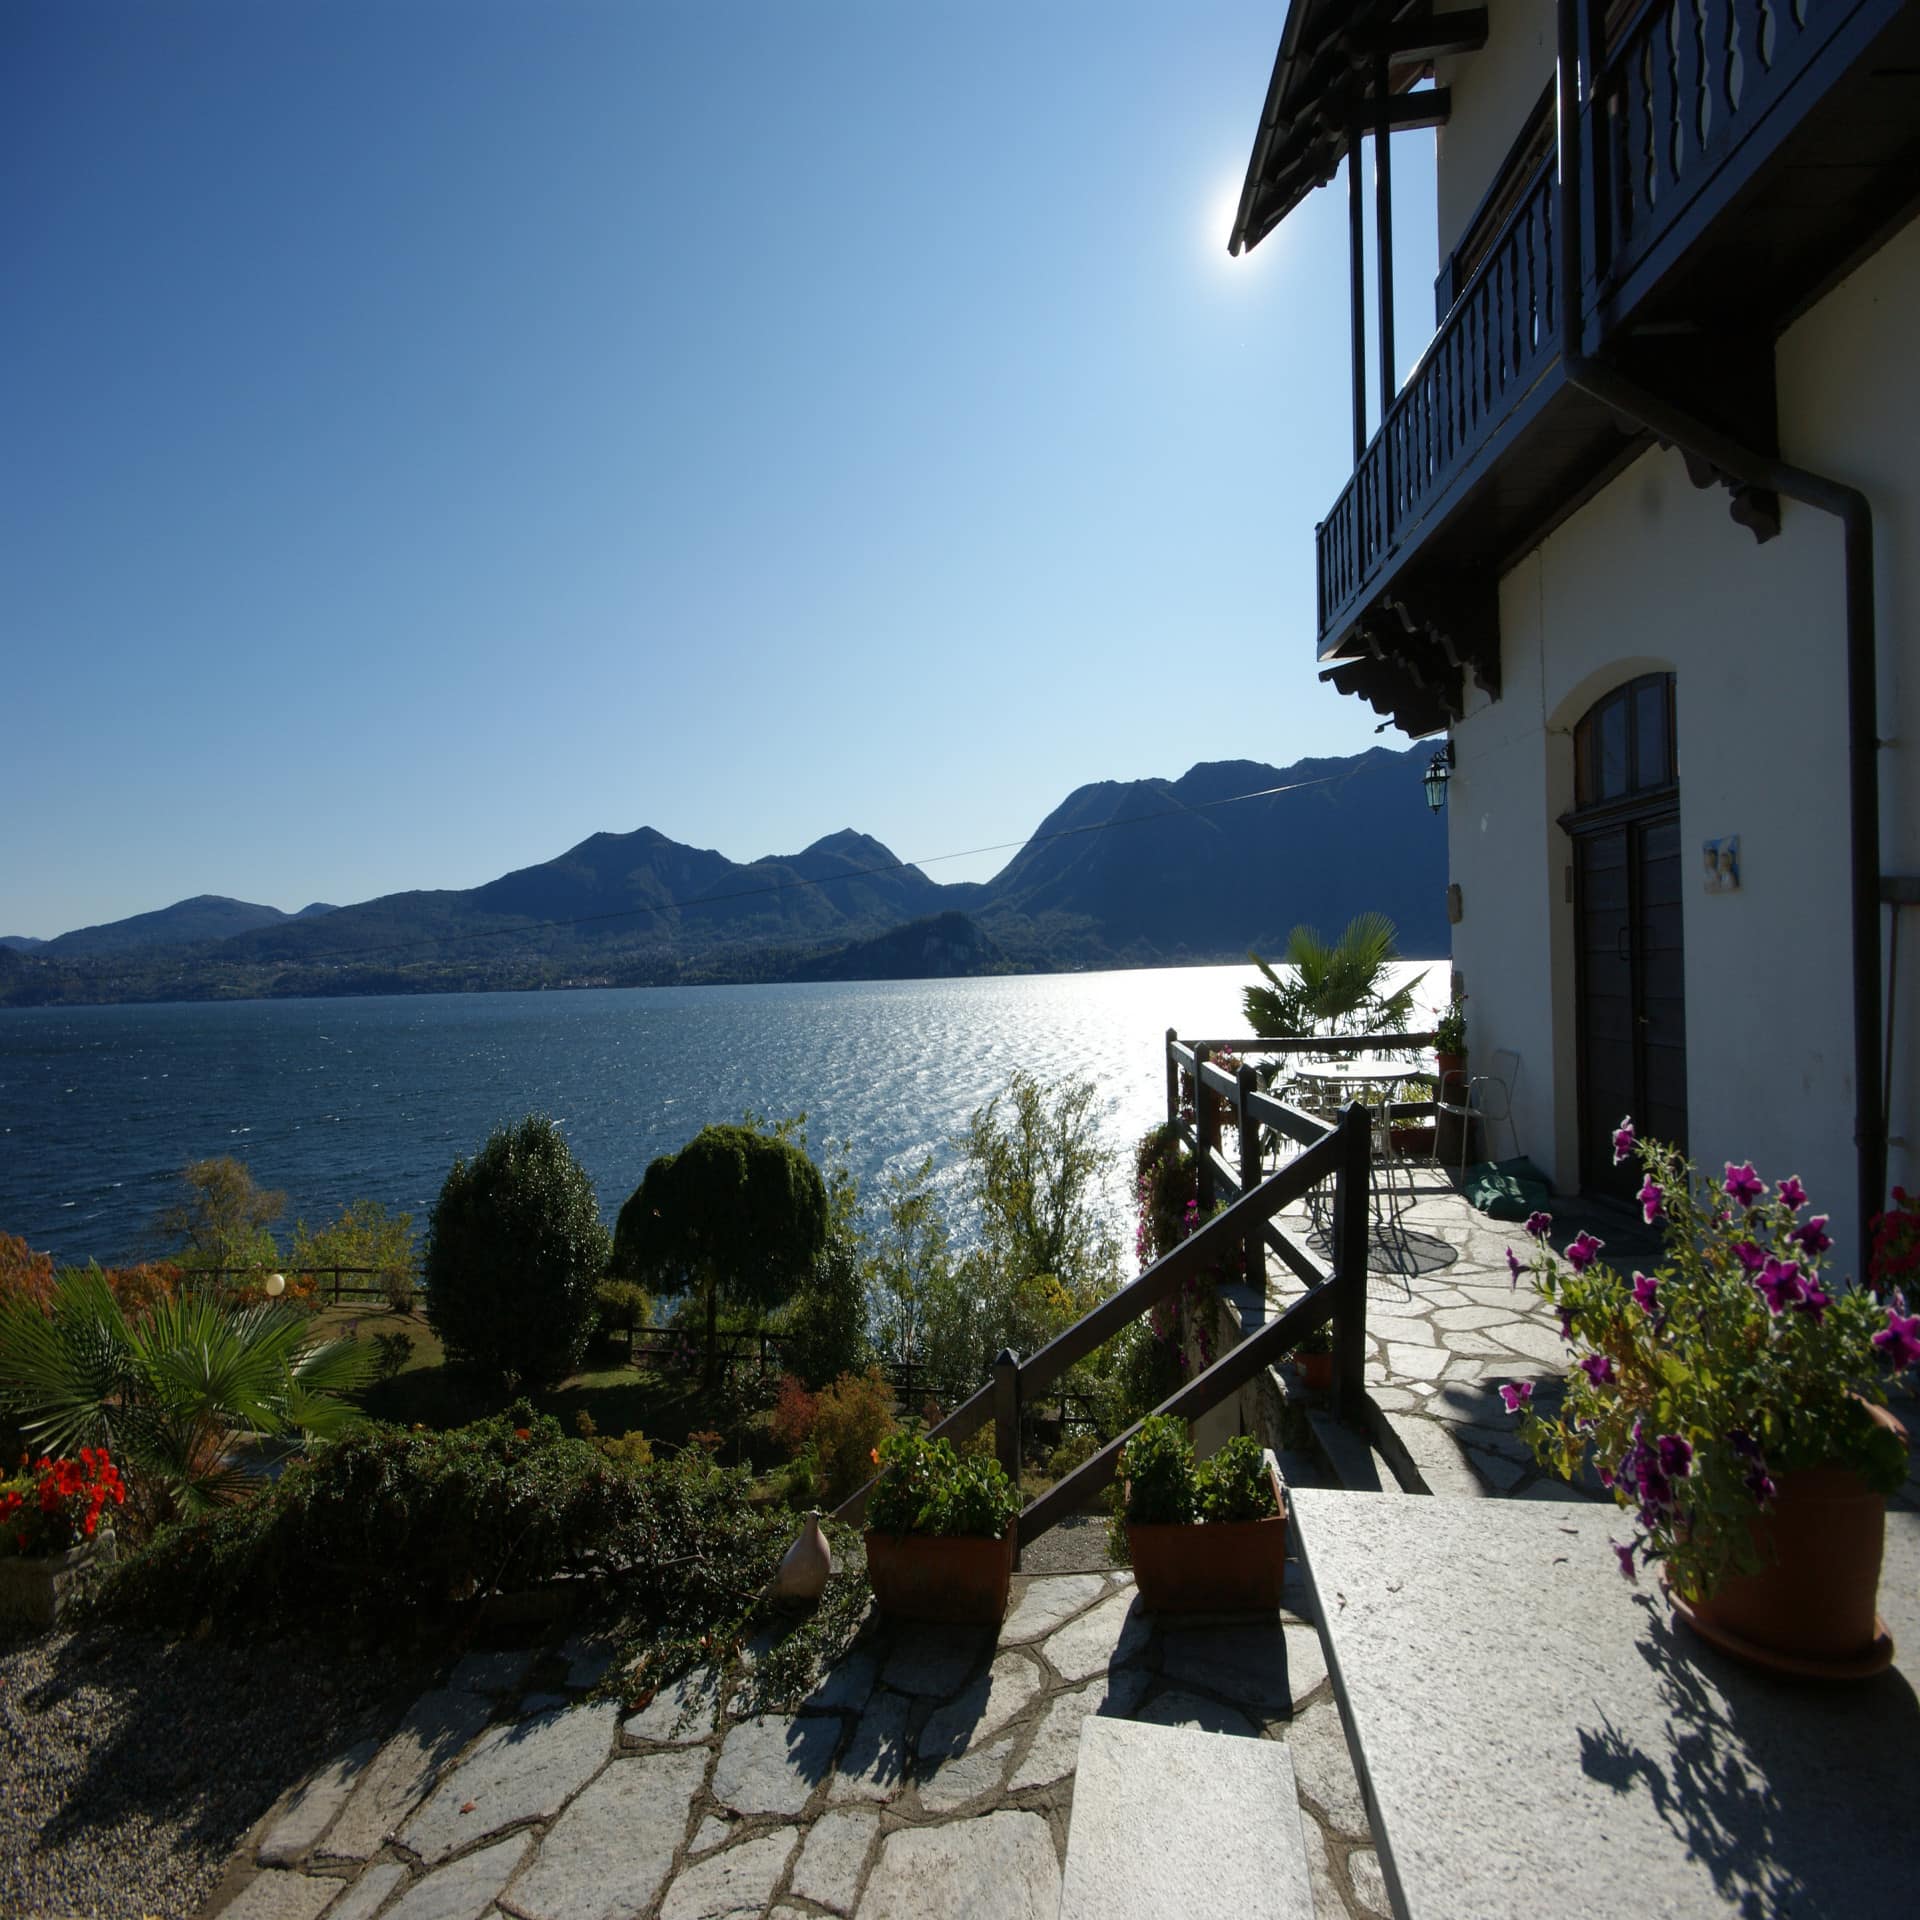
(1721, 860)
(1456, 907)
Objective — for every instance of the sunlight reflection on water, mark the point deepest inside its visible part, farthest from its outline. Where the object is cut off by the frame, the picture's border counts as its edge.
(336, 1100)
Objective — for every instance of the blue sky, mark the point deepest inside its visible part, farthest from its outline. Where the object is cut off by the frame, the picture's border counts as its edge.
(435, 431)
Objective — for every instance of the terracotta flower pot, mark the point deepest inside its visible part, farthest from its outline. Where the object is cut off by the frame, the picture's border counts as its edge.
(962, 1580)
(1217, 1566)
(1316, 1370)
(1810, 1607)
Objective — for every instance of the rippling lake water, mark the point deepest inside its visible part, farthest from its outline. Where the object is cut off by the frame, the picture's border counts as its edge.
(337, 1100)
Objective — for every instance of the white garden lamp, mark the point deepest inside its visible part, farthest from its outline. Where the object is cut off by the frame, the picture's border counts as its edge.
(276, 1285)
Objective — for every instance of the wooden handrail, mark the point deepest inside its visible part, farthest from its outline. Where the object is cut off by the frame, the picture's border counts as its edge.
(1340, 1153)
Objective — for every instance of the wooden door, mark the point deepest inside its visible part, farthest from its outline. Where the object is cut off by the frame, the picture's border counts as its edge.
(1632, 1020)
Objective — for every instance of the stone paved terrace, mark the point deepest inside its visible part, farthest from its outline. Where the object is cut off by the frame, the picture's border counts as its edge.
(930, 1774)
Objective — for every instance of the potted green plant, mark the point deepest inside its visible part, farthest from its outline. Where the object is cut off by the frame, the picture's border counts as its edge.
(1315, 1354)
(1733, 1401)
(1210, 1538)
(940, 1533)
(1450, 1041)
(52, 1532)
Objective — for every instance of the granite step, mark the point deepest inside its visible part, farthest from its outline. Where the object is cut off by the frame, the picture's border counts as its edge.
(1170, 1824)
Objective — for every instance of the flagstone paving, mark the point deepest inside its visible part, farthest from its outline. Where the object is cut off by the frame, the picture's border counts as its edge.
(930, 1773)
(1447, 1327)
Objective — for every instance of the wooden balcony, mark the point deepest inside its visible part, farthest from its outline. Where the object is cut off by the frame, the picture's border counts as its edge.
(1737, 156)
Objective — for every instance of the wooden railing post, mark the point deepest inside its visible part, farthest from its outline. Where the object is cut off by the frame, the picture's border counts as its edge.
(1006, 1419)
(1246, 1084)
(1173, 1081)
(1350, 1261)
(1206, 1131)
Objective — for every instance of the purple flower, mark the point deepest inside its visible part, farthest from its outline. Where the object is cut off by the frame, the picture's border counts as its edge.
(1513, 1267)
(1749, 1255)
(1899, 1340)
(1539, 1225)
(1813, 1302)
(1743, 1443)
(1625, 1556)
(1760, 1484)
(1598, 1368)
(1606, 1478)
(1812, 1235)
(1743, 1184)
(1676, 1455)
(1566, 1326)
(1580, 1254)
(1793, 1195)
(1515, 1394)
(1646, 1293)
(1623, 1142)
(1779, 1281)
(1650, 1197)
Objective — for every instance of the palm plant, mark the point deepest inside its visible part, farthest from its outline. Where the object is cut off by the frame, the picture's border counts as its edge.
(1337, 986)
(168, 1392)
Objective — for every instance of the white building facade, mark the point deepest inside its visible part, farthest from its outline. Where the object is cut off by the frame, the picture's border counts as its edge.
(1679, 260)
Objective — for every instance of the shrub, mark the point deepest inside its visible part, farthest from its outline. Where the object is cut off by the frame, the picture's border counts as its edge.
(1157, 1466)
(1233, 1484)
(24, 1274)
(1073, 1451)
(367, 1237)
(621, 1306)
(794, 1412)
(515, 1250)
(852, 1419)
(925, 1487)
(388, 1521)
(631, 1449)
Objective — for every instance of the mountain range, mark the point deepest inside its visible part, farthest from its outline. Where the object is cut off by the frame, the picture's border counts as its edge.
(1228, 857)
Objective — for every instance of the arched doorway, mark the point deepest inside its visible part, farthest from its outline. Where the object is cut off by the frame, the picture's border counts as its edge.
(1630, 987)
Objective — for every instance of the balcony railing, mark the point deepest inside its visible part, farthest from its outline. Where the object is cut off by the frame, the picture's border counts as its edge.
(1671, 130)
(1681, 87)
(1503, 329)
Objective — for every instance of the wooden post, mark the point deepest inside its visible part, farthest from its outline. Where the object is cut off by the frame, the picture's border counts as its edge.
(1246, 1081)
(1006, 1421)
(1383, 248)
(1357, 285)
(1173, 1081)
(1205, 1131)
(1350, 1262)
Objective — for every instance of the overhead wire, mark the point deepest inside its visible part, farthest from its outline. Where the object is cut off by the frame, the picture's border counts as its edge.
(520, 929)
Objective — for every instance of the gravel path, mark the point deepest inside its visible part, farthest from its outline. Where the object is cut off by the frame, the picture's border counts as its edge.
(131, 1767)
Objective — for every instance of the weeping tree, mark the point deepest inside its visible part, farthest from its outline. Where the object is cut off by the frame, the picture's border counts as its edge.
(737, 1214)
(169, 1390)
(1338, 987)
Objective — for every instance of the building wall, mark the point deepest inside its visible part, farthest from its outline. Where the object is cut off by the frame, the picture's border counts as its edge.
(1652, 574)
(1493, 92)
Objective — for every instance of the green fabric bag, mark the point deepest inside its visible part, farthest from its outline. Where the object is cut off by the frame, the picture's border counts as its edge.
(1507, 1189)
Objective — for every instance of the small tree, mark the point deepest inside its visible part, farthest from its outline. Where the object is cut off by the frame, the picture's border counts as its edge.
(1338, 987)
(827, 1324)
(221, 1223)
(364, 1236)
(515, 1250)
(738, 1212)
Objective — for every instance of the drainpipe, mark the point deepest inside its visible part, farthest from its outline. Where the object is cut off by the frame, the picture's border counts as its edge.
(1850, 507)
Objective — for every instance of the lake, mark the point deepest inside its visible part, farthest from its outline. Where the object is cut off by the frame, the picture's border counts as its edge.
(338, 1100)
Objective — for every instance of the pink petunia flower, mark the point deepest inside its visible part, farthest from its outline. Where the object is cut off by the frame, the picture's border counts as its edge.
(1623, 1141)
(1743, 1184)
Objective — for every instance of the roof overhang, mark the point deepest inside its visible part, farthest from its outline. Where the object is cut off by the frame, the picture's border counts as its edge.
(1325, 81)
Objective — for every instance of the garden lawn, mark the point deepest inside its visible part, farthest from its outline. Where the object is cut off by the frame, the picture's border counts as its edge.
(415, 1387)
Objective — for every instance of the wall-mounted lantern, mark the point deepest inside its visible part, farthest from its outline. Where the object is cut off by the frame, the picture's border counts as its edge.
(1439, 772)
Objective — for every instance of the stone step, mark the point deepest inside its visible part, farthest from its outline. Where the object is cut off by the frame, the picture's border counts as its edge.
(1170, 1824)
(1353, 1463)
